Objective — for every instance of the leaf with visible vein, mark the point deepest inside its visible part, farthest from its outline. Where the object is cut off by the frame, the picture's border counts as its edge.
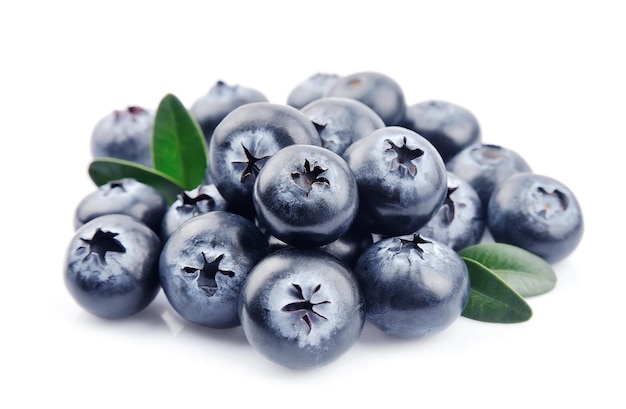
(491, 299)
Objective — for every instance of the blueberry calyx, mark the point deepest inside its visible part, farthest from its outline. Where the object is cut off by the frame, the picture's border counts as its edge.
(404, 157)
(101, 243)
(192, 203)
(251, 169)
(414, 244)
(305, 306)
(207, 273)
(488, 154)
(449, 204)
(305, 179)
(549, 203)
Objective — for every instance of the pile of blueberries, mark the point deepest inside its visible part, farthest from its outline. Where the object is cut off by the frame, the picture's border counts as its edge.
(342, 206)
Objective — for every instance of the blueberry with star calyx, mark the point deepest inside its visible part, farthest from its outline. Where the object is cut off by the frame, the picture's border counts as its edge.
(112, 266)
(191, 203)
(341, 121)
(401, 180)
(306, 196)
(537, 213)
(413, 286)
(301, 308)
(204, 264)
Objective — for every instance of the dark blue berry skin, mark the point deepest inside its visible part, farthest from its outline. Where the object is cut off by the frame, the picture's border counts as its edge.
(485, 166)
(204, 264)
(112, 266)
(306, 195)
(378, 91)
(413, 286)
(537, 213)
(301, 309)
(401, 180)
(245, 139)
(449, 127)
(219, 101)
(123, 196)
(312, 88)
(124, 134)
(191, 203)
(460, 221)
(341, 121)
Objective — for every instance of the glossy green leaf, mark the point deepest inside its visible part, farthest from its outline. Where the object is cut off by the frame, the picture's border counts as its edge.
(178, 145)
(526, 272)
(103, 170)
(491, 299)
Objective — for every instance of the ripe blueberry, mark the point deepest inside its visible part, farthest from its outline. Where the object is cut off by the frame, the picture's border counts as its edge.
(204, 263)
(485, 166)
(306, 195)
(124, 134)
(301, 308)
(537, 213)
(378, 91)
(123, 196)
(312, 88)
(219, 101)
(341, 121)
(112, 266)
(413, 286)
(460, 221)
(449, 127)
(401, 180)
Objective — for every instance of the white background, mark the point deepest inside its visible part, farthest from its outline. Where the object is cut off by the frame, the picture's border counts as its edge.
(546, 79)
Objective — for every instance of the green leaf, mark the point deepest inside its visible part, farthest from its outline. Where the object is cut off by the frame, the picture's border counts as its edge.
(526, 272)
(178, 145)
(104, 170)
(491, 299)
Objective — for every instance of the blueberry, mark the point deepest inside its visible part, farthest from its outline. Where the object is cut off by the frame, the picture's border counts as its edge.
(449, 127)
(306, 195)
(204, 264)
(378, 91)
(123, 196)
(460, 221)
(124, 134)
(485, 166)
(112, 266)
(413, 286)
(219, 101)
(401, 180)
(245, 139)
(537, 213)
(301, 308)
(312, 88)
(341, 121)
(191, 203)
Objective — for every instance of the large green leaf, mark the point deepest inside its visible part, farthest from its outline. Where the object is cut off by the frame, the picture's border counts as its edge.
(526, 272)
(104, 170)
(178, 145)
(491, 299)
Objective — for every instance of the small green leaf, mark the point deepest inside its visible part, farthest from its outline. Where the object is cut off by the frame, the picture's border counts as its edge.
(103, 170)
(526, 272)
(491, 299)
(178, 145)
